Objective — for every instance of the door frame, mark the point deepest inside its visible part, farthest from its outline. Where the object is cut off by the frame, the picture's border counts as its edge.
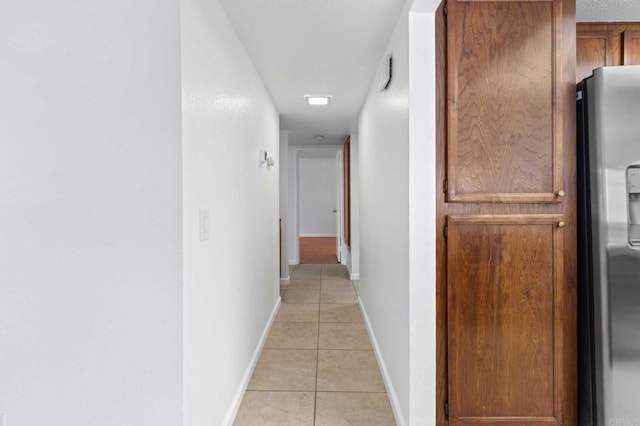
(309, 152)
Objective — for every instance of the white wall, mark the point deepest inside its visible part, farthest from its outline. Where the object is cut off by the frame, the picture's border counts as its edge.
(317, 196)
(397, 217)
(384, 217)
(422, 213)
(283, 169)
(231, 281)
(90, 213)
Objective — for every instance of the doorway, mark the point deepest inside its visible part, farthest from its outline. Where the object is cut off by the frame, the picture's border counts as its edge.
(319, 205)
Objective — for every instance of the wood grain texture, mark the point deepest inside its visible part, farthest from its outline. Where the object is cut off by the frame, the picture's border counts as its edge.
(614, 31)
(566, 305)
(631, 47)
(623, 45)
(565, 175)
(318, 250)
(594, 49)
(441, 256)
(504, 359)
(504, 97)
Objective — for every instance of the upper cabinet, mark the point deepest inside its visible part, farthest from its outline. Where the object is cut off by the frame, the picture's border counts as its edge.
(631, 47)
(594, 49)
(505, 103)
(600, 45)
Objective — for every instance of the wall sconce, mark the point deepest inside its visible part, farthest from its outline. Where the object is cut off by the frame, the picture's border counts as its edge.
(264, 158)
(385, 73)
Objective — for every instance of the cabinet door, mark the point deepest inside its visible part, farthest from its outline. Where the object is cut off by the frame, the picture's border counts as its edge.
(594, 49)
(505, 331)
(505, 101)
(631, 47)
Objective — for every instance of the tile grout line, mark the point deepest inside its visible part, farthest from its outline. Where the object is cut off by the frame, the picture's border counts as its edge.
(318, 322)
(311, 391)
(315, 395)
(324, 349)
(321, 322)
(323, 283)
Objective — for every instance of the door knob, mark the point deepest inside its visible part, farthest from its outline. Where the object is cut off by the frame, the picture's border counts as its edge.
(335, 211)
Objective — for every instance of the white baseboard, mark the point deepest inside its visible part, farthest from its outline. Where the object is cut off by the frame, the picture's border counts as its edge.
(285, 280)
(293, 262)
(237, 399)
(393, 397)
(354, 277)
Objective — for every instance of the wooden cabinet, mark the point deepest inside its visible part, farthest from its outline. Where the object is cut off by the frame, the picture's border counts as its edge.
(505, 101)
(631, 47)
(606, 44)
(506, 302)
(504, 357)
(594, 49)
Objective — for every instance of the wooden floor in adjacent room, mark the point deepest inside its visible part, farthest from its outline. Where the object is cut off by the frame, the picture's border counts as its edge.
(318, 250)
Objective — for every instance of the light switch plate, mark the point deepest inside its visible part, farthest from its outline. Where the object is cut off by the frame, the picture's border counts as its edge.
(205, 224)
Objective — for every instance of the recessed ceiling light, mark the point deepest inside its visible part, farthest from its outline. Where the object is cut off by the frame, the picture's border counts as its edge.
(317, 100)
(319, 138)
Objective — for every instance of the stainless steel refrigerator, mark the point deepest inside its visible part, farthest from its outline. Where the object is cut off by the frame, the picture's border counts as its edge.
(609, 247)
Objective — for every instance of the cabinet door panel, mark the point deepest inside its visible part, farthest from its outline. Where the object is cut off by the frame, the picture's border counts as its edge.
(631, 47)
(594, 49)
(505, 336)
(504, 102)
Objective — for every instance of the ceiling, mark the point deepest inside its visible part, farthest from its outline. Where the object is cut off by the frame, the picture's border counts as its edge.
(315, 47)
(334, 47)
(309, 138)
(607, 10)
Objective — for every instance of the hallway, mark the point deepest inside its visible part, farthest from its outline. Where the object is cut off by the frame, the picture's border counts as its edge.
(317, 366)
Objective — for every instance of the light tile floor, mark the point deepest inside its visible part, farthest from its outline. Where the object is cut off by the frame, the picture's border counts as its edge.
(317, 366)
